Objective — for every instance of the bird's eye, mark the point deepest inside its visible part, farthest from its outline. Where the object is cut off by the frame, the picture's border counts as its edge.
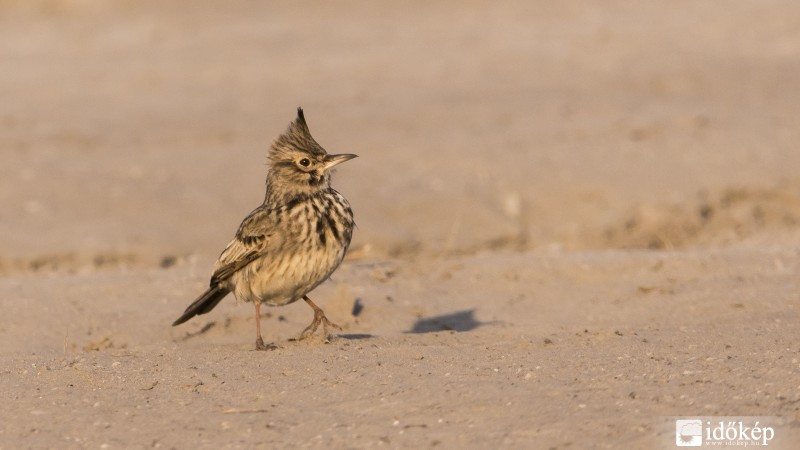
(305, 162)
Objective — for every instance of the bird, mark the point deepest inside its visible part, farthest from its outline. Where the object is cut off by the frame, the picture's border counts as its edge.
(291, 243)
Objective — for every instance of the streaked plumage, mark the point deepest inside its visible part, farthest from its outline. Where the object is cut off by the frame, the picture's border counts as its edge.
(292, 242)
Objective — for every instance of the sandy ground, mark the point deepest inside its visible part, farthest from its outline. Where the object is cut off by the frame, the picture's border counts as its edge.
(577, 221)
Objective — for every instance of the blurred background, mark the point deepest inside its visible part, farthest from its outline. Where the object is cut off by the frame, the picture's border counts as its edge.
(135, 132)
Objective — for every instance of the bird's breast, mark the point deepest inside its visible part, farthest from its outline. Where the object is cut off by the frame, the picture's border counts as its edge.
(315, 233)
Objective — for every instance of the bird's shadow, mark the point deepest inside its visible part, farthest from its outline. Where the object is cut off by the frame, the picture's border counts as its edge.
(460, 321)
(355, 336)
(205, 329)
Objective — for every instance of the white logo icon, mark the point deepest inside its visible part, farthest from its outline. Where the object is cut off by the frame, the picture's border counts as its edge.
(689, 433)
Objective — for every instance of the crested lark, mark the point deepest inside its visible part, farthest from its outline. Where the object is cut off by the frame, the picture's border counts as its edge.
(292, 242)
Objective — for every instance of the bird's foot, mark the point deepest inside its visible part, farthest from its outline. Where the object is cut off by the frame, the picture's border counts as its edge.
(319, 318)
(261, 346)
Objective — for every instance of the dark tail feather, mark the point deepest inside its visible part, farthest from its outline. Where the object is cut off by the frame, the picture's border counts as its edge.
(203, 304)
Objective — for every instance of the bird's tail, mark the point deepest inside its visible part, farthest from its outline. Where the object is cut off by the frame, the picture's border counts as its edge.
(203, 304)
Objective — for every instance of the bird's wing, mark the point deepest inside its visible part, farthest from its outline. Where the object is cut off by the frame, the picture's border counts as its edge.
(250, 243)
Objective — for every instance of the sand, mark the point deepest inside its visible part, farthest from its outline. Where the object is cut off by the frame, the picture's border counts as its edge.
(578, 221)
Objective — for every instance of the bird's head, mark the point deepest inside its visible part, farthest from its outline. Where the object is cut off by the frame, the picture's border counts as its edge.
(297, 163)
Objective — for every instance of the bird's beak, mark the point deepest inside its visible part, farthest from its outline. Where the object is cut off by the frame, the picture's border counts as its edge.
(332, 160)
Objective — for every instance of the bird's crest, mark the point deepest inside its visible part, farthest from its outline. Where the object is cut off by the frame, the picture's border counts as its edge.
(300, 121)
(296, 137)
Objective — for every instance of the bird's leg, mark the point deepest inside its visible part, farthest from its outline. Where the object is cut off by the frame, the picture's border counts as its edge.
(260, 342)
(319, 318)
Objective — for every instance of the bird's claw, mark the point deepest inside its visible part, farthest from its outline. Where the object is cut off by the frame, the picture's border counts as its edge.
(261, 346)
(319, 318)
